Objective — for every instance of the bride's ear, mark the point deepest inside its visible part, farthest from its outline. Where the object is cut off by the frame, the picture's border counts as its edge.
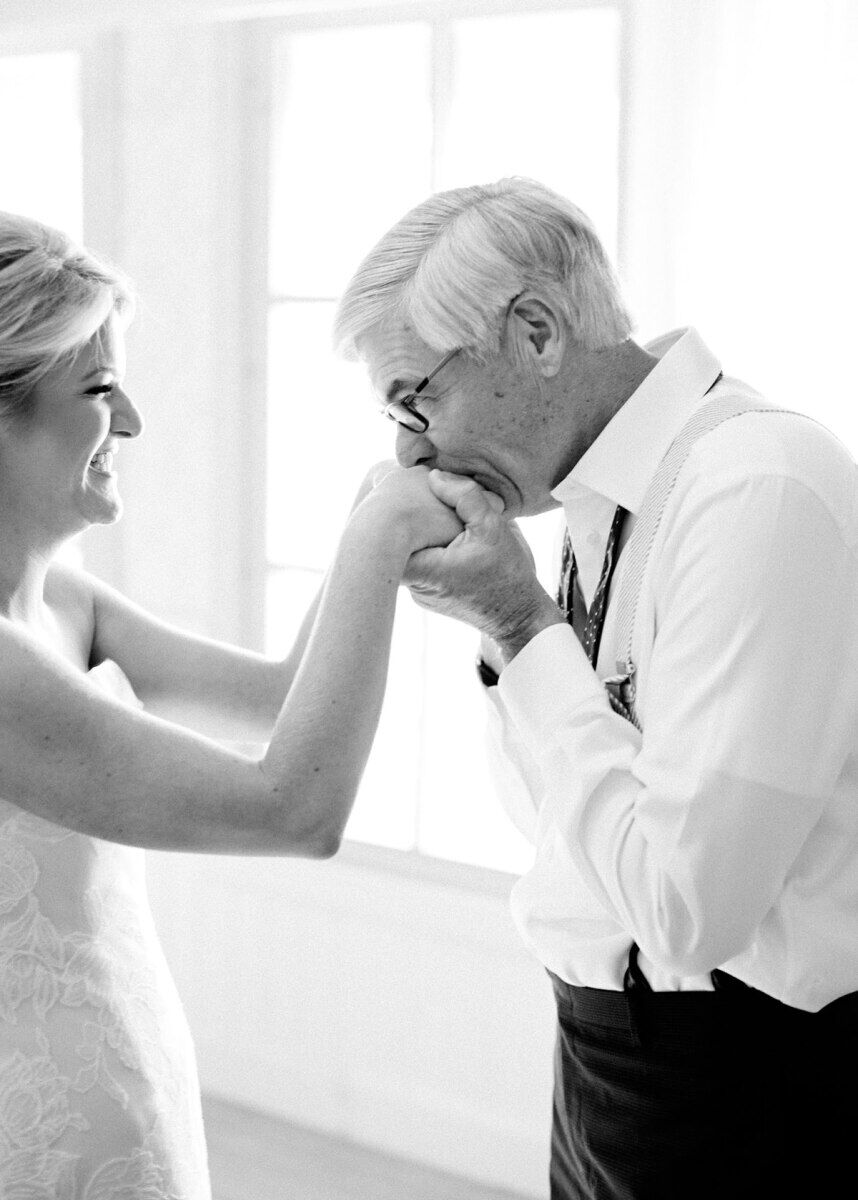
(536, 334)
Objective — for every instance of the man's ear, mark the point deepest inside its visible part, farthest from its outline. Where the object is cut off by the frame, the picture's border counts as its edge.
(535, 333)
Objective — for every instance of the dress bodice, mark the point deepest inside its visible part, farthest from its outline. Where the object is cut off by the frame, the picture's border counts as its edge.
(63, 867)
(98, 1090)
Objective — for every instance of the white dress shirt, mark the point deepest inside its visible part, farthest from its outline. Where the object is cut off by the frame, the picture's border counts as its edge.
(725, 835)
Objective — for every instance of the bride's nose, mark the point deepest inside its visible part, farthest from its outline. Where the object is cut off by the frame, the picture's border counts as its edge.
(126, 420)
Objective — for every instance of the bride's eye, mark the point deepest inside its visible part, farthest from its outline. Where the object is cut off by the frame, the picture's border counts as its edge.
(101, 389)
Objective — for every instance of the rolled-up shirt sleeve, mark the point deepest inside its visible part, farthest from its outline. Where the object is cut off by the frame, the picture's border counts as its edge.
(685, 834)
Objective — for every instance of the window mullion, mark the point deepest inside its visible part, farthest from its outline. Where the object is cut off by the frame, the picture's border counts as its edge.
(443, 67)
(256, 117)
(420, 797)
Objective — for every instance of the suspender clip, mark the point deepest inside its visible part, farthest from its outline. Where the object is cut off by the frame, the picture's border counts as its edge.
(622, 685)
(622, 691)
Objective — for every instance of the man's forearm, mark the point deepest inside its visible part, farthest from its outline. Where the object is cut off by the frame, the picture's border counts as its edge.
(522, 626)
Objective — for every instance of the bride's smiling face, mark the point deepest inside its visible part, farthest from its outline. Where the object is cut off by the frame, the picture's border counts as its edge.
(57, 462)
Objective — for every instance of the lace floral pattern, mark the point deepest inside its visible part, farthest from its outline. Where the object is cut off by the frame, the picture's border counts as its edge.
(98, 1090)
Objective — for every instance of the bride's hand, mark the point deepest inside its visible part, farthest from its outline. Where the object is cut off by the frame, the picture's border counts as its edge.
(403, 502)
(373, 478)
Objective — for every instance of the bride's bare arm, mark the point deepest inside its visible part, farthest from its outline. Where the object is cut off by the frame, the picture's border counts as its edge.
(215, 688)
(73, 755)
(222, 690)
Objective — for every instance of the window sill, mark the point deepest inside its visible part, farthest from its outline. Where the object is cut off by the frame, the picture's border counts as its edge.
(410, 864)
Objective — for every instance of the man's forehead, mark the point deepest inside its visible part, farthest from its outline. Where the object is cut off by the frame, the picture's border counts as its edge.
(391, 351)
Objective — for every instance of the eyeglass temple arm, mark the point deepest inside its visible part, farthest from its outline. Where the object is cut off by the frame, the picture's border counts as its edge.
(422, 384)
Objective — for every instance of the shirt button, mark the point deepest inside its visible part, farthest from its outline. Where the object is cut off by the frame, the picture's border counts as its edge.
(593, 539)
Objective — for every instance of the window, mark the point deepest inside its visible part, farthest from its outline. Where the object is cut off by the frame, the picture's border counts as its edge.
(367, 121)
(40, 149)
(764, 250)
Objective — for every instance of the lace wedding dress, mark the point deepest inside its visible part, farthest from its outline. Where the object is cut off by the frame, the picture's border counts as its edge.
(98, 1087)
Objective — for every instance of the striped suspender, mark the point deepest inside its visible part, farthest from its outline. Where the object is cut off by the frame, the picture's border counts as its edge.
(621, 687)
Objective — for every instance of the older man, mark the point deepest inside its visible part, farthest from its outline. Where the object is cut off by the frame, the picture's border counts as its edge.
(695, 883)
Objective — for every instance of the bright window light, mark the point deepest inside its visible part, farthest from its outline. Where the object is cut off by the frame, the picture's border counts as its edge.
(353, 131)
(428, 106)
(323, 435)
(40, 148)
(538, 94)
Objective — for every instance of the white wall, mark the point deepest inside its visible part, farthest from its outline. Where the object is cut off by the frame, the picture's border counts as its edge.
(172, 150)
(391, 1009)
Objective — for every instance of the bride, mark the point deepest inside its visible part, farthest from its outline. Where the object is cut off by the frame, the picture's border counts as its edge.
(98, 1090)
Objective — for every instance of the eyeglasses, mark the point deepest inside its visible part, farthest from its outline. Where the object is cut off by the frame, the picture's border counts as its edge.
(403, 411)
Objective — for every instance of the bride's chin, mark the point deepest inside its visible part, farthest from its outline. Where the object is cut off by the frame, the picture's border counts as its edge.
(101, 510)
(111, 517)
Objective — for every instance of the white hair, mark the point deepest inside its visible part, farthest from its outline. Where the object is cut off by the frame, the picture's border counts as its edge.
(452, 265)
(54, 296)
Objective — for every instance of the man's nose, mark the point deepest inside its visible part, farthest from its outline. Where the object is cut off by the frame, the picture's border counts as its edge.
(412, 448)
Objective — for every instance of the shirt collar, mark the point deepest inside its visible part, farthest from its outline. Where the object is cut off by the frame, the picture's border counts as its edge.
(624, 457)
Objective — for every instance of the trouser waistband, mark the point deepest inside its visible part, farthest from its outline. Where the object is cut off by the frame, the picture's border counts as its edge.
(624, 1009)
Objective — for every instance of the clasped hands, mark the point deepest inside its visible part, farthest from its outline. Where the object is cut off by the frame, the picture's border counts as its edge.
(474, 565)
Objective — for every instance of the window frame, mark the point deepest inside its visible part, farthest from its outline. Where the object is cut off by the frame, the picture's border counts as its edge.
(99, 51)
(257, 118)
(100, 44)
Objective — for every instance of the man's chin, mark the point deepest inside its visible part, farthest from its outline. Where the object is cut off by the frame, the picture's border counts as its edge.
(537, 508)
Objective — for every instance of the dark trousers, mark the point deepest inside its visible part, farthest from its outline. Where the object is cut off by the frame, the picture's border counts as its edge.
(696, 1095)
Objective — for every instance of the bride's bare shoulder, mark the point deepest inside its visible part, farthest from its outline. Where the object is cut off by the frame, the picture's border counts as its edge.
(37, 668)
(69, 597)
(69, 586)
(23, 655)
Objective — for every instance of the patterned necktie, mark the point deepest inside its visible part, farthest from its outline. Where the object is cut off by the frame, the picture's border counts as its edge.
(588, 624)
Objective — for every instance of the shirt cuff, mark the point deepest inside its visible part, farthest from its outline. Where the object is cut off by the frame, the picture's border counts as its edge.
(547, 681)
(516, 779)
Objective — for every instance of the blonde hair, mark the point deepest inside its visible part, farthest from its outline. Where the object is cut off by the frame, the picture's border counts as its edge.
(452, 265)
(54, 296)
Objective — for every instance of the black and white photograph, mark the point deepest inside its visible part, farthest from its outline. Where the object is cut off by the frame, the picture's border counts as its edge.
(428, 599)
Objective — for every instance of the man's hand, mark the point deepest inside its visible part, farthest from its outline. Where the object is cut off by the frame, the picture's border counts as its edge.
(401, 500)
(485, 576)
